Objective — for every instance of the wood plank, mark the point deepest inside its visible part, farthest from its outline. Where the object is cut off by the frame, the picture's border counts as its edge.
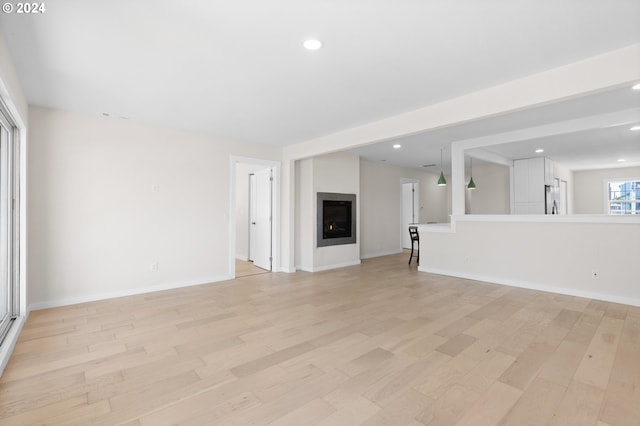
(246, 369)
(491, 407)
(400, 411)
(450, 407)
(354, 413)
(537, 404)
(456, 344)
(311, 413)
(579, 406)
(595, 367)
(563, 363)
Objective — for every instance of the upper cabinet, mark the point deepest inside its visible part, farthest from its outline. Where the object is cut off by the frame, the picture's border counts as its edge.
(530, 175)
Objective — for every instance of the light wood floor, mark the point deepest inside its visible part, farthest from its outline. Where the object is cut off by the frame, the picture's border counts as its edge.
(244, 269)
(376, 344)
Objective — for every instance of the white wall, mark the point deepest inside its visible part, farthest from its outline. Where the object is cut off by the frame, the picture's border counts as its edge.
(380, 202)
(337, 173)
(547, 253)
(243, 171)
(492, 194)
(305, 215)
(10, 87)
(589, 188)
(565, 174)
(96, 226)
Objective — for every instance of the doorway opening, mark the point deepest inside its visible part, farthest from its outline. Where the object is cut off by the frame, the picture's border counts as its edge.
(410, 208)
(254, 241)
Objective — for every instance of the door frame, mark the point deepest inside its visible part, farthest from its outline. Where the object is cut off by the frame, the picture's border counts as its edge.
(275, 202)
(416, 198)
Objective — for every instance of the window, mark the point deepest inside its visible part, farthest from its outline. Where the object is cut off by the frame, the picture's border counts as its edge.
(623, 196)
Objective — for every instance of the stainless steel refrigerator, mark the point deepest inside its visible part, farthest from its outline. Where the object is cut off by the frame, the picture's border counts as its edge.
(551, 199)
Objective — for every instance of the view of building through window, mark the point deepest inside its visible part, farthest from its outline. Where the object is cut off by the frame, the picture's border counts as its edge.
(624, 197)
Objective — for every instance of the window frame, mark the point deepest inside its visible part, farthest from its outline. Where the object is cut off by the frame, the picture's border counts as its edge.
(608, 201)
(9, 218)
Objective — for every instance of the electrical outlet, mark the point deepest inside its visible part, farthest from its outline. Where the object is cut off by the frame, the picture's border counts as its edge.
(595, 274)
(155, 267)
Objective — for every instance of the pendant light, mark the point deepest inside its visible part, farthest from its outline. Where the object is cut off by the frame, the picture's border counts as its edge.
(472, 184)
(441, 181)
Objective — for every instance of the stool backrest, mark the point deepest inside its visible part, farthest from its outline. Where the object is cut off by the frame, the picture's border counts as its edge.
(413, 232)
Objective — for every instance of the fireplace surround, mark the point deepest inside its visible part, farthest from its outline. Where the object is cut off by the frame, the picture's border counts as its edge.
(336, 219)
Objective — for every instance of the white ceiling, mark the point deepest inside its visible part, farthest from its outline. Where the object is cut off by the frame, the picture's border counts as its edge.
(575, 148)
(237, 69)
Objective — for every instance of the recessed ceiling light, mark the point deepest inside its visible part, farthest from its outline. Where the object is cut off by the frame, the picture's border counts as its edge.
(621, 160)
(312, 44)
(397, 146)
(636, 87)
(539, 150)
(635, 128)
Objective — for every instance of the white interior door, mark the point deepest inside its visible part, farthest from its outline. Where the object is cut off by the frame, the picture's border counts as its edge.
(252, 214)
(261, 230)
(410, 210)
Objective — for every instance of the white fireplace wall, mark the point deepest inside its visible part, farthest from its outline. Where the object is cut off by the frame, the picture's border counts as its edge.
(339, 173)
(305, 215)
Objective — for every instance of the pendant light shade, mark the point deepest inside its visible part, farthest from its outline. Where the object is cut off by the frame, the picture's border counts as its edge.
(441, 181)
(472, 184)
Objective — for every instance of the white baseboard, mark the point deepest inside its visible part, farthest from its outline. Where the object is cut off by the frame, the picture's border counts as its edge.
(534, 286)
(328, 267)
(242, 258)
(379, 254)
(128, 292)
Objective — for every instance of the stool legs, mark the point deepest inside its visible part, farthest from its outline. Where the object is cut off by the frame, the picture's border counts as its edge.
(418, 255)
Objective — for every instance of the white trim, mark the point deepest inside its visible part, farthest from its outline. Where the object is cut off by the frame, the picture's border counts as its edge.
(534, 286)
(548, 218)
(438, 227)
(11, 339)
(242, 258)
(379, 254)
(328, 267)
(525, 218)
(127, 292)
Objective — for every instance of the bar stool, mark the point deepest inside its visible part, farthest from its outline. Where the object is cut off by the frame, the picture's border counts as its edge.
(415, 238)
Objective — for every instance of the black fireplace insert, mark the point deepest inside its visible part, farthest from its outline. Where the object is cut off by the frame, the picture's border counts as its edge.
(336, 219)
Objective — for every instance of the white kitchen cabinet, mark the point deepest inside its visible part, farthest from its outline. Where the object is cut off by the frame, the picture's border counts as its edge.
(530, 175)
